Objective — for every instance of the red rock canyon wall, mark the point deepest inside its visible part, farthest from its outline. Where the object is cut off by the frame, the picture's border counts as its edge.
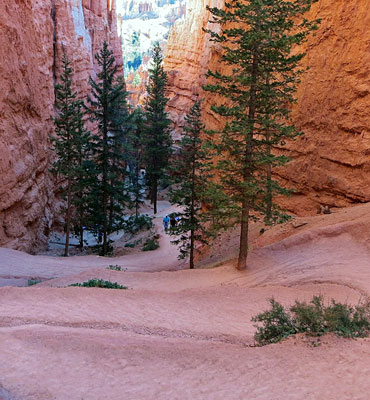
(31, 35)
(331, 162)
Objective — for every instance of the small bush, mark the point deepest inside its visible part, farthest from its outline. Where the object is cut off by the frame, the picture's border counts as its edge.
(115, 267)
(32, 282)
(98, 249)
(151, 244)
(310, 317)
(276, 324)
(313, 318)
(135, 224)
(348, 321)
(130, 245)
(100, 283)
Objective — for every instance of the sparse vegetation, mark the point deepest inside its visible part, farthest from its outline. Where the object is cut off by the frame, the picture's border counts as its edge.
(100, 283)
(151, 244)
(314, 318)
(133, 244)
(33, 281)
(115, 268)
(134, 223)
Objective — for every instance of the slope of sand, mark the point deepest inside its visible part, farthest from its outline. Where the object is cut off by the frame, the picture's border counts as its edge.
(186, 334)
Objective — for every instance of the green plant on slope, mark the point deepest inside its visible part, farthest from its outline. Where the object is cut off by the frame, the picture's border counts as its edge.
(313, 318)
(277, 324)
(100, 283)
(33, 281)
(115, 268)
(151, 244)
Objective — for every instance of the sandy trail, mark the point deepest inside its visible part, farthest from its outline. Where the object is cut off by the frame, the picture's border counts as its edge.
(17, 267)
(187, 334)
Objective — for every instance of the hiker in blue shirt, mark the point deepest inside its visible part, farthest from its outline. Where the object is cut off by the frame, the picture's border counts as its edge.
(166, 221)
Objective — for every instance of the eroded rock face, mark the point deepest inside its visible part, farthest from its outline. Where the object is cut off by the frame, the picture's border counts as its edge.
(31, 35)
(187, 58)
(330, 163)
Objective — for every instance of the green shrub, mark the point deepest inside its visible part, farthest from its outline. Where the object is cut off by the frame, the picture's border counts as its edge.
(130, 245)
(309, 317)
(135, 224)
(313, 318)
(348, 321)
(98, 248)
(100, 283)
(115, 267)
(276, 324)
(33, 281)
(151, 244)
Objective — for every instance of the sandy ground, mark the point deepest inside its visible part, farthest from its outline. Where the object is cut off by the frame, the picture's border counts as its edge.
(186, 334)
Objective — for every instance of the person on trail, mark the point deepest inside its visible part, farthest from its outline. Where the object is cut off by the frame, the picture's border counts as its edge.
(166, 221)
(173, 222)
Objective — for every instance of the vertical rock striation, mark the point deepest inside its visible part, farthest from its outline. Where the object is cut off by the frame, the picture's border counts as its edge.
(187, 57)
(31, 35)
(331, 162)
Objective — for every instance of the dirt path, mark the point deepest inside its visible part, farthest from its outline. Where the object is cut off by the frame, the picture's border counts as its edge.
(17, 267)
(188, 334)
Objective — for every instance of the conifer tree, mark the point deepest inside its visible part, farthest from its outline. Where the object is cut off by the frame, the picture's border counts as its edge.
(107, 106)
(258, 86)
(71, 145)
(136, 159)
(157, 139)
(191, 177)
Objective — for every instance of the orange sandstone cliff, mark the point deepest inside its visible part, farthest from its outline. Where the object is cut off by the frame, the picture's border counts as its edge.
(331, 162)
(31, 35)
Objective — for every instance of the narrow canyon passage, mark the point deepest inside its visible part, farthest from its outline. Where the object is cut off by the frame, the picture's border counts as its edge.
(176, 333)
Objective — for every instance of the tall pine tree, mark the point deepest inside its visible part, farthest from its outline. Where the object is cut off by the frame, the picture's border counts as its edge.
(107, 106)
(71, 145)
(136, 159)
(157, 139)
(191, 178)
(258, 87)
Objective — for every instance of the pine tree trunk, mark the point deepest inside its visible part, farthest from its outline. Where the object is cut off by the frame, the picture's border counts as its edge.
(192, 211)
(155, 194)
(137, 190)
(68, 218)
(268, 195)
(105, 185)
(268, 172)
(81, 237)
(191, 256)
(243, 249)
(110, 223)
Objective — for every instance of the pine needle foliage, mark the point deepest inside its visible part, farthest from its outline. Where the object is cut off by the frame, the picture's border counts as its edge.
(190, 179)
(258, 87)
(108, 109)
(71, 144)
(136, 159)
(157, 138)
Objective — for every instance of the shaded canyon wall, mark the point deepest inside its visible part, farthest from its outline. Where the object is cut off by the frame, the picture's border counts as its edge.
(31, 35)
(331, 162)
